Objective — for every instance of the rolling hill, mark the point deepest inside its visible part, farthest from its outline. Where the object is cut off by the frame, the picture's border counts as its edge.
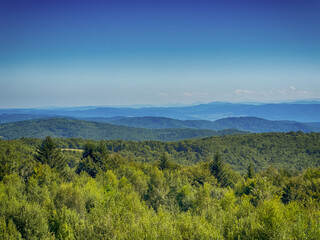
(69, 128)
(259, 125)
(251, 124)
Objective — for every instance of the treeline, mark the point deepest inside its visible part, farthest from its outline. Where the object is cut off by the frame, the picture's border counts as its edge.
(293, 150)
(46, 193)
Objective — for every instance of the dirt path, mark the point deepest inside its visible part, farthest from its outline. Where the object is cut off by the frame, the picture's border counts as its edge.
(71, 149)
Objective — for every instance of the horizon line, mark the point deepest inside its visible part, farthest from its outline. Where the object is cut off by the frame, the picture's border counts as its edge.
(168, 105)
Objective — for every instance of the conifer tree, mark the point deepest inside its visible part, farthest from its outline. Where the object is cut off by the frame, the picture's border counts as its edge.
(250, 171)
(49, 153)
(163, 162)
(216, 167)
(94, 159)
(221, 172)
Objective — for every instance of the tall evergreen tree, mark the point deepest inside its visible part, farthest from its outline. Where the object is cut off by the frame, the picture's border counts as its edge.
(163, 162)
(216, 167)
(96, 152)
(94, 159)
(250, 171)
(49, 153)
(221, 172)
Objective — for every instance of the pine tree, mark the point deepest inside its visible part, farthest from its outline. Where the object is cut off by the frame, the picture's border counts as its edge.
(216, 167)
(250, 171)
(96, 152)
(221, 172)
(163, 162)
(94, 159)
(49, 153)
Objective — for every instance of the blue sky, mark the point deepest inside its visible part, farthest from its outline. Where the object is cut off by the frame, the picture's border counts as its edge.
(72, 53)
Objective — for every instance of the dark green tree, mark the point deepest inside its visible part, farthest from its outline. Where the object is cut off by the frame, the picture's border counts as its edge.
(94, 158)
(223, 173)
(163, 162)
(48, 153)
(216, 167)
(250, 171)
(89, 166)
(96, 152)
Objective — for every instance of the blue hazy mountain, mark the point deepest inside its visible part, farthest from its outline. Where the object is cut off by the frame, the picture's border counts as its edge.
(251, 124)
(301, 111)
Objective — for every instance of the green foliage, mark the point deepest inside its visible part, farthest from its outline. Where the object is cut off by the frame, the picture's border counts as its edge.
(163, 162)
(127, 199)
(96, 152)
(94, 159)
(224, 175)
(8, 231)
(156, 194)
(48, 153)
(217, 167)
(69, 128)
(290, 151)
(250, 171)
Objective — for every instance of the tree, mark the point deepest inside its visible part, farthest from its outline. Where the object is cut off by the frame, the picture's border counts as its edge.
(163, 162)
(93, 159)
(223, 173)
(97, 152)
(250, 171)
(48, 153)
(216, 166)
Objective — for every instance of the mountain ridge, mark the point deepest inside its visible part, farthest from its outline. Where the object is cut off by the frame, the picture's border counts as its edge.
(71, 128)
(303, 111)
(252, 124)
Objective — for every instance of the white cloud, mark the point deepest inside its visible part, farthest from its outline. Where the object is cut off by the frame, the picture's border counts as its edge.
(193, 94)
(184, 94)
(242, 91)
(273, 94)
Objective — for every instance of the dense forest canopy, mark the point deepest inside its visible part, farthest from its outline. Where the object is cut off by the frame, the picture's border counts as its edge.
(210, 188)
(293, 150)
(71, 128)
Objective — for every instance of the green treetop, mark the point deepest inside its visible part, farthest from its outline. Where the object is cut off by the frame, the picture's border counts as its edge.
(49, 153)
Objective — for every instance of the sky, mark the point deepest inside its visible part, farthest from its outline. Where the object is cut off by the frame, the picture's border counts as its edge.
(113, 52)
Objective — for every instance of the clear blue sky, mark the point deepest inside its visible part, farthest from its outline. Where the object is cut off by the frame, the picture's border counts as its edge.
(72, 53)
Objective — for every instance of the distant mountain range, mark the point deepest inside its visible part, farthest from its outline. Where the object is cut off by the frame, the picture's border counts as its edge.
(251, 124)
(146, 128)
(68, 128)
(165, 124)
(300, 111)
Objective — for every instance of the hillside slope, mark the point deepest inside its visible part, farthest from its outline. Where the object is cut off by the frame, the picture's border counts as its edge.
(67, 128)
(293, 150)
(251, 124)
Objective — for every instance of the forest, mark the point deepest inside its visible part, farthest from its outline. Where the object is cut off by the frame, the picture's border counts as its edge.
(71, 128)
(254, 186)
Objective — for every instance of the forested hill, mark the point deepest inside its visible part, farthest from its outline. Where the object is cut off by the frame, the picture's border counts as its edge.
(46, 193)
(292, 150)
(68, 128)
(259, 125)
(251, 124)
